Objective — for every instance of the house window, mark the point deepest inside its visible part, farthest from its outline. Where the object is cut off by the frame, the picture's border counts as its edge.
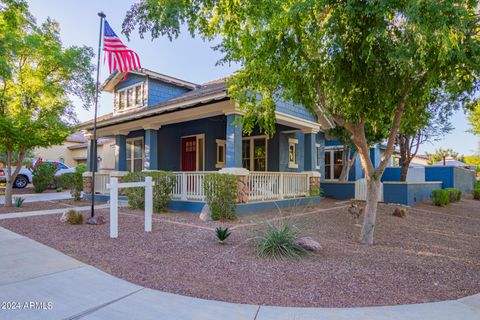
(292, 153)
(221, 153)
(130, 97)
(333, 164)
(319, 150)
(254, 153)
(135, 154)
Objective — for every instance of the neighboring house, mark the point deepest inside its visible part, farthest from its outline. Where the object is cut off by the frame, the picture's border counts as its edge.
(163, 123)
(334, 160)
(420, 160)
(74, 152)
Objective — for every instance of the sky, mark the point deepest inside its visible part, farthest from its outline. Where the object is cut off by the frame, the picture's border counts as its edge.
(186, 58)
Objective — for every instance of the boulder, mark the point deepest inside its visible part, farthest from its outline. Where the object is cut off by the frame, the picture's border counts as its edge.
(96, 220)
(206, 215)
(309, 244)
(400, 212)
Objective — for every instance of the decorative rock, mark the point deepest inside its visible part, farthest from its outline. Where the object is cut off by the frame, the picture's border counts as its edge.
(96, 220)
(309, 244)
(206, 215)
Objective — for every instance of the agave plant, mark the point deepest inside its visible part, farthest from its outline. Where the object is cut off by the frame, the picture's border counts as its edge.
(18, 201)
(222, 234)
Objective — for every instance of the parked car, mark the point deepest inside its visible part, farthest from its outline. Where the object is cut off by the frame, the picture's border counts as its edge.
(24, 176)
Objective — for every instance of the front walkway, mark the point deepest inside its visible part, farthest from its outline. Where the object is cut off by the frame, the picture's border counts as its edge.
(38, 282)
(35, 197)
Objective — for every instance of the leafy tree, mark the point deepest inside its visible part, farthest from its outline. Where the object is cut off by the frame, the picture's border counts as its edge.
(430, 126)
(441, 154)
(364, 63)
(37, 78)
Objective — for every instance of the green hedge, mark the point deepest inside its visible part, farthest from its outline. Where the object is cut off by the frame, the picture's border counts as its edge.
(74, 182)
(440, 197)
(221, 195)
(43, 176)
(454, 194)
(476, 194)
(164, 183)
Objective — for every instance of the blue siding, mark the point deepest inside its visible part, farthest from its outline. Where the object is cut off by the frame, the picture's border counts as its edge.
(130, 81)
(338, 190)
(283, 151)
(294, 109)
(331, 143)
(159, 91)
(169, 141)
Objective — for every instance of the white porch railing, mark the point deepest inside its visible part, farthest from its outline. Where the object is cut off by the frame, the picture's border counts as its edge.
(277, 185)
(189, 185)
(262, 185)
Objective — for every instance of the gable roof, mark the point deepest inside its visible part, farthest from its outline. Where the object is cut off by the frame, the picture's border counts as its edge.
(114, 78)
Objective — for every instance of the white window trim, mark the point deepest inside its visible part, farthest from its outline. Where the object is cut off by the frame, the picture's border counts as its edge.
(252, 150)
(197, 156)
(317, 158)
(132, 160)
(292, 164)
(221, 143)
(141, 85)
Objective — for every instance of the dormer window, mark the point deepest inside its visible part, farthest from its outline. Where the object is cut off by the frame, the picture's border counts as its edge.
(130, 97)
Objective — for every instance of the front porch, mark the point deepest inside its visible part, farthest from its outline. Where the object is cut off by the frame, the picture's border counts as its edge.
(209, 138)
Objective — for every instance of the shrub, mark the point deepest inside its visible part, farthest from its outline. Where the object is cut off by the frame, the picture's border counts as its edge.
(280, 241)
(476, 194)
(316, 191)
(164, 183)
(440, 197)
(74, 217)
(222, 234)
(454, 194)
(74, 182)
(59, 189)
(221, 195)
(18, 201)
(43, 176)
(400, 212)
(81, 168)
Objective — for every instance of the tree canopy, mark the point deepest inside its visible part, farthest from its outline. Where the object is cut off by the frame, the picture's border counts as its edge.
(38, 78)
(363, 63)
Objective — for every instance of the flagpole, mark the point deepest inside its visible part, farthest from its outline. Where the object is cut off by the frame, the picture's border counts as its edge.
(93, 153)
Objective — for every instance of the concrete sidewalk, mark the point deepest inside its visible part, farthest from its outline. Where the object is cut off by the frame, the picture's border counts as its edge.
(36, 197)
(38, 282)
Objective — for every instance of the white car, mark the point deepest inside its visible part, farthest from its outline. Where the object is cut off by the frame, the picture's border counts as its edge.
(24, 176)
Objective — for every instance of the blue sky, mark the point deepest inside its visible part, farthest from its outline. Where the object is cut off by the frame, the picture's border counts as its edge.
(185, 58)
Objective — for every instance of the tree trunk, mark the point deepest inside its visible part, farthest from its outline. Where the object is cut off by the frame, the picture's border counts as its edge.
(11, 176)
(404, 170)
(370, 215)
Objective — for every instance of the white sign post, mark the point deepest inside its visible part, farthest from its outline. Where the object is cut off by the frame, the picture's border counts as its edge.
(114, 186)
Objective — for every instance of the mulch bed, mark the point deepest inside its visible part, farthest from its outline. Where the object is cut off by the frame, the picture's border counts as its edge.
(432, 255)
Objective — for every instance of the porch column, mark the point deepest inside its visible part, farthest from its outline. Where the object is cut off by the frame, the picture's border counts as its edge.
(121, 152)
(91, 156)
(151, 151)
(234, 142)
(310, 152)
(321, 142)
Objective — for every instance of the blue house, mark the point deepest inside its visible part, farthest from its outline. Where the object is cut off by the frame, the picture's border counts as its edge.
(164, 123)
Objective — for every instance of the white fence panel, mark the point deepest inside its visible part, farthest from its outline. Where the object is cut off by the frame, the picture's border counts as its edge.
(416, 174)
(361, 190)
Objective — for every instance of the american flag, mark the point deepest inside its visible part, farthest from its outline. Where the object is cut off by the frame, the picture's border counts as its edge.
(119, 56)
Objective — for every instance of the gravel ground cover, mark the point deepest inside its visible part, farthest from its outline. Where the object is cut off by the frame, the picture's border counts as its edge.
(46, 205)
(432, 255)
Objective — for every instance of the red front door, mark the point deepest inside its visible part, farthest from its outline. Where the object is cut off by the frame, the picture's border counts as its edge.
(189, 154)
